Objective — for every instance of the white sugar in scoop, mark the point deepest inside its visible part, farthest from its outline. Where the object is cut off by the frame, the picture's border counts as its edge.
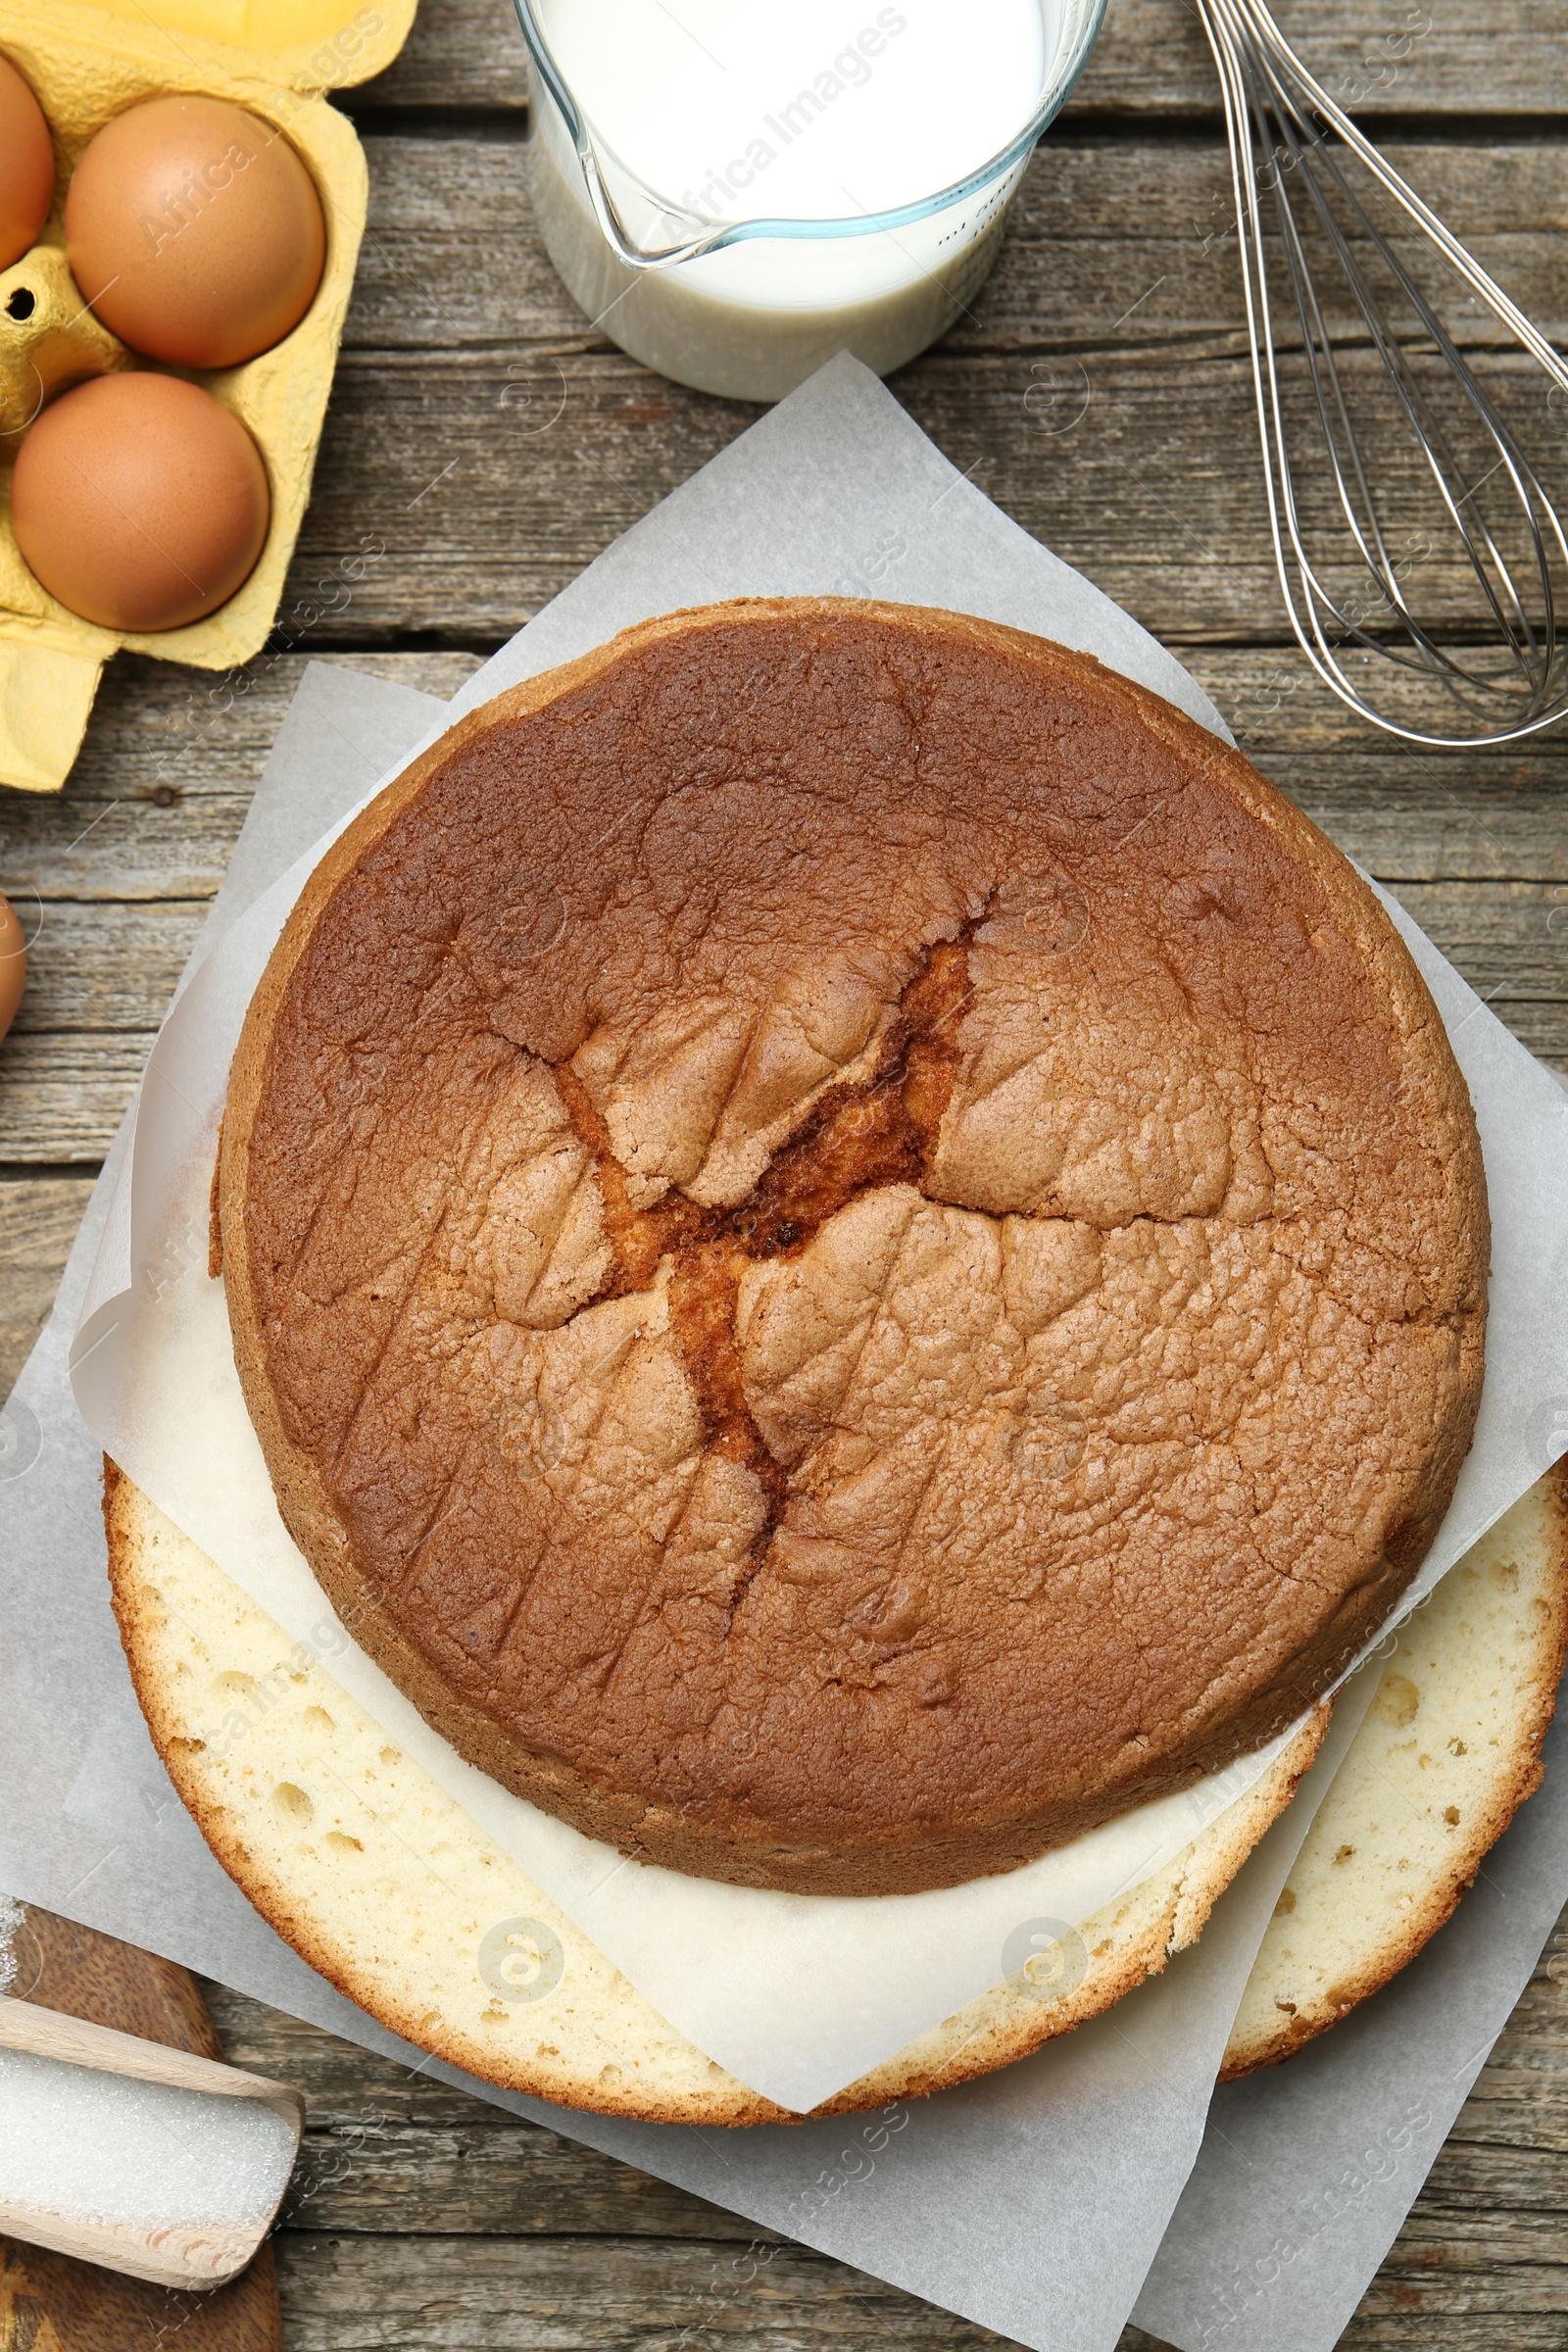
(127, 2153)
(97, 2147)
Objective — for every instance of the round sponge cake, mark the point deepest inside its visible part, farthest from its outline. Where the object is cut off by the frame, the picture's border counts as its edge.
(853, 1248)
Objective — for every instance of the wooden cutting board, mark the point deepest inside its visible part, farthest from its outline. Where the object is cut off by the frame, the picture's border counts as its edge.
(49, 2303)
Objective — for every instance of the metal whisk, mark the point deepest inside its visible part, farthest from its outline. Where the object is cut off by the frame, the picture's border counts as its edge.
(1452, 462)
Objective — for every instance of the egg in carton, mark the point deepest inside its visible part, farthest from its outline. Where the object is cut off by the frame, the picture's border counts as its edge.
(86, 64)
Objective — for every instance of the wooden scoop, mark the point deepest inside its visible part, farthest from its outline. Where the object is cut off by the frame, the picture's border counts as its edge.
(166, 2254)
(47, 2300)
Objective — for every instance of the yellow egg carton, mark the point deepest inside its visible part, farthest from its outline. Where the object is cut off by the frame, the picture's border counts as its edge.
(279, 58)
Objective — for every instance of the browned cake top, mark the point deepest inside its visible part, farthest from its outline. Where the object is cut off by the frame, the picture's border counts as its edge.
(853, 1248)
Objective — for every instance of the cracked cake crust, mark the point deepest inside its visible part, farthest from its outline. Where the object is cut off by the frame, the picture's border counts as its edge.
(853, 1248)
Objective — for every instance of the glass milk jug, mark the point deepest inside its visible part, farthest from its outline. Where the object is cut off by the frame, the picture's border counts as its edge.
(736, 189)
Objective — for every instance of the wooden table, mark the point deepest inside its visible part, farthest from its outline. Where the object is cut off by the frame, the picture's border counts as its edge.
(1100, 392)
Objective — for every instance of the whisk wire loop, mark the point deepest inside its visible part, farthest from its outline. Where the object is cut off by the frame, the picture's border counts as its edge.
(1285, 131)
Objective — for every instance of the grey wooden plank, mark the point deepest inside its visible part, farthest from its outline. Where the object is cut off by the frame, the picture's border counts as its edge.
(1465, 837)
(1448, 57)
(63, 1097)
(1467, 2176)
(103, 967)
(481, 2172)
(38, 1220)
(1441, 2266)
(1509, 938)
(435, 202)
(1455, 57)
(1413, 2318)
(473, 2294)
(481, 516)
(460, 53)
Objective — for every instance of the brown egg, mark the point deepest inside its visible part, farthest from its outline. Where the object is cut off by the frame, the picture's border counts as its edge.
(195, 231)
(139, 502)
(13, 964)
(26, 166)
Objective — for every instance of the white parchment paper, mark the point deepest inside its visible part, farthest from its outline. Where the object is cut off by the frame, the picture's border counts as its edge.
(1030, 2201)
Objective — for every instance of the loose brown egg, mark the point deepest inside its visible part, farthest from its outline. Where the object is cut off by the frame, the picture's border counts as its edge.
(26, 166)
(13, 964)
(139, 502)
(195, 231)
